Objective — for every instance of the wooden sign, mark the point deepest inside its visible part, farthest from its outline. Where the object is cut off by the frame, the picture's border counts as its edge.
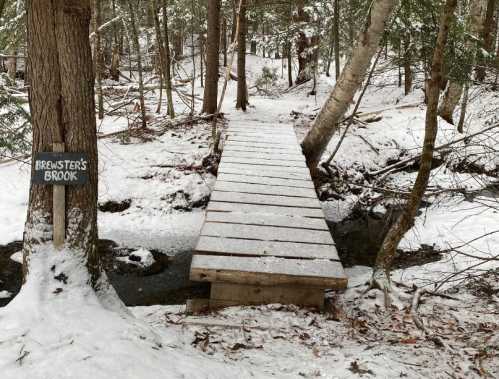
(58, 168)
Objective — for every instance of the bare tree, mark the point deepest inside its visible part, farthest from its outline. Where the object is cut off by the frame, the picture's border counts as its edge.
(487, 37)
(212, 51)
(337, 38)
(167, 69)
(242, 88)
(381, 273)
(349, 82)
(135, 40)
(454, 88)
(98, 57)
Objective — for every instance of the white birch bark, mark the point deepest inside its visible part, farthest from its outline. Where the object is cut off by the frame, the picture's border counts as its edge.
(349, 82)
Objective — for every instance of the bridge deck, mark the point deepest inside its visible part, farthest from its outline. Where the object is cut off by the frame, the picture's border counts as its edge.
(265, 239)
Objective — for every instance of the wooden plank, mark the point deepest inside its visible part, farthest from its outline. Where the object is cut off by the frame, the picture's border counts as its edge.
(235, 125)
(268, 271)
(262, 155)
(289, 133)
(266, 162)
(264, 151)
(266, 233)
(267, 220)
(240, 247)
(268, 146)
(290, 138)
(218, 206)
(303, 171)
(235, 128)
(251, 198)
(252, 145)
(264, 171)
(264, 189)
(270, 141)
(254, 294)
(244, 178)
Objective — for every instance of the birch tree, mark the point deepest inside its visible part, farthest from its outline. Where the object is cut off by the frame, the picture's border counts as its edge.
(454, 88)
(349, 82)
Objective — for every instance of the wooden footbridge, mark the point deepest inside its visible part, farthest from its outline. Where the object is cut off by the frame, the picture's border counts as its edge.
(265, 239)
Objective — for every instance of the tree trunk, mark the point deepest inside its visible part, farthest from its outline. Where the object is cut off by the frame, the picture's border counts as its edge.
(350, 80)
(337, 38)
(496, 60)
(201, 59)
(290, 64)
(212, 50)
(168, 68)
(161, 50)
(224, 39)
(98, 61)
(306, 46)
(407, 65)
(390, 243)
(2, 6)
(135, 40)
(454, 88)
(487, 37)
(242, 89)
(114, 70)
(12, 66)
(253, 45)
(62, 111)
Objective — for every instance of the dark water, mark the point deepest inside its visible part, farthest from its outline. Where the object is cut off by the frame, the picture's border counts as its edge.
(10, 271)
(359, 237)
(165, 282)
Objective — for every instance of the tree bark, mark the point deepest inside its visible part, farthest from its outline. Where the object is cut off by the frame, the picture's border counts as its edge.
(306, 46)
(98, 58)
(160, 49)
(337, 38)
(242, 89)
(135, 40)
(454, 88)
(290, 64)
(168, 63)
(224, 39)
(487, 37)
(390, 243)
(350, 80)
(63, 111)
(407, 64)
(212, 50)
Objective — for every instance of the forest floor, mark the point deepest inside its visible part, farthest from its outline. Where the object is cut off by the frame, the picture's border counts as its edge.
(152, 191)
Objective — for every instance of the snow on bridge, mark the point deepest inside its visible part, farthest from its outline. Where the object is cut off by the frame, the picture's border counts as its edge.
(265, 239)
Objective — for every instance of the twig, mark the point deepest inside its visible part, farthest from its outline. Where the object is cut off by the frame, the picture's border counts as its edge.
(438, 148)
(357, 105)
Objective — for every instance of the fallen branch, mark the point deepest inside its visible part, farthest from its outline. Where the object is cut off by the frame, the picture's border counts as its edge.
(404, 162)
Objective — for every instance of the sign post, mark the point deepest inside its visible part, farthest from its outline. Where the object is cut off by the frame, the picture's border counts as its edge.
(60, 169)
(59, 207)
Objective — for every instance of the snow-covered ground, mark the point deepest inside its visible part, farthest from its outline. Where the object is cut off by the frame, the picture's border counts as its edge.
(77, 334)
